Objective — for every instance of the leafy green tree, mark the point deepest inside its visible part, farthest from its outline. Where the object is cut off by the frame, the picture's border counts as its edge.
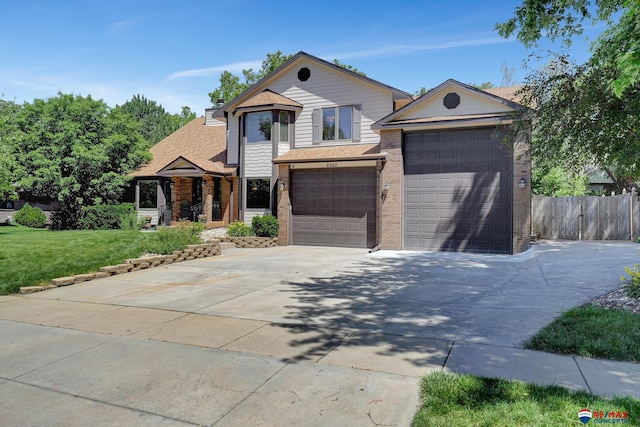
(231, 86)
(348, 67)
(420, 92)
(77, 151)
(618, 46)
(555, 181)
(9, 167)
(156, 123)
(583, 113)
(485, 85)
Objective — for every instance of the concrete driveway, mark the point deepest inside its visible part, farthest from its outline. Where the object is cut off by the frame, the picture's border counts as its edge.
(286, 335)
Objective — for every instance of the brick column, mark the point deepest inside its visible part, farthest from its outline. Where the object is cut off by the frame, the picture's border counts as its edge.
(283, 204)
(391, 217)
(521, 198)
(207, 197)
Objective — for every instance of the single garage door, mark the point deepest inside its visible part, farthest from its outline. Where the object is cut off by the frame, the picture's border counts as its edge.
(334, 207)
(457, 191)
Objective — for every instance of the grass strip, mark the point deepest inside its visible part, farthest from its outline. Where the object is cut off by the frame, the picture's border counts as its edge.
(466, 400)
(592, 331)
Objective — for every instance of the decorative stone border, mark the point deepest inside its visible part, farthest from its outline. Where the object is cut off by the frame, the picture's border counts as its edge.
(251, 242)
(191, 252)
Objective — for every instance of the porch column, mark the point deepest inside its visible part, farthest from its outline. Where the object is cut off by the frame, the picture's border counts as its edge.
(207, 197)
(283, 204)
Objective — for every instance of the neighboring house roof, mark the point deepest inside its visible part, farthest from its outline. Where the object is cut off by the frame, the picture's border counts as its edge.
(502, 108)
(508, 92)
(260, 85)
(194, 146)
(270, 99)
(597, 175)
(332, 153)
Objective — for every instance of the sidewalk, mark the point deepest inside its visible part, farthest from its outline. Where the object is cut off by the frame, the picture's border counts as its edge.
(605, 378)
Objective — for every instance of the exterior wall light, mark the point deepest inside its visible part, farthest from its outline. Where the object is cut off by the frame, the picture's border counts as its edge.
(522, 183)
(387, 185)
(281, 185)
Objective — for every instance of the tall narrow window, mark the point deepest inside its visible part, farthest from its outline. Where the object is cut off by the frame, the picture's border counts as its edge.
(284, 126)
(148, 194)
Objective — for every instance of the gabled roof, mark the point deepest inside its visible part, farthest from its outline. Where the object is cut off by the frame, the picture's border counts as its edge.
(268, 99)
(260, 85)
(192, 149)
(503, 107)
(332, 153)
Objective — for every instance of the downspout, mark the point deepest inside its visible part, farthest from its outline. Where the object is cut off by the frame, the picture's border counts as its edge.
(378, 207)
(230, 181)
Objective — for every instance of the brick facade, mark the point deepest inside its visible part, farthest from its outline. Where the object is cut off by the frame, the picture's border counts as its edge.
(392, 173)
(181, 191)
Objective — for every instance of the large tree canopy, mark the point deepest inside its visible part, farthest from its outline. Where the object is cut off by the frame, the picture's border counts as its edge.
(156, 123)
(75, 150)
(9, 167)
(619, 45)
(231, 86)
(584, 113)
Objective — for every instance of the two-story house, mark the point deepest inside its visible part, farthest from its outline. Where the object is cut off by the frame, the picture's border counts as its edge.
(344, 160)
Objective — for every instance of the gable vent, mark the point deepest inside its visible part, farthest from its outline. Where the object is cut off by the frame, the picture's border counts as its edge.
(451, 100)
(304, 74)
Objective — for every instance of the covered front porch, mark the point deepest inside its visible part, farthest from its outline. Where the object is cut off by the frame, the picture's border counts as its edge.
(170, 200)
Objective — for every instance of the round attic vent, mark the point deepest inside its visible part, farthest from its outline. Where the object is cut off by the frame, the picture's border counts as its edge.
(304, 74)
(451, 100)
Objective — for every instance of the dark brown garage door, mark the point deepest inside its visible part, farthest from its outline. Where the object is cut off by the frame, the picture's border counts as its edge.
(457, 191)
(334, 207)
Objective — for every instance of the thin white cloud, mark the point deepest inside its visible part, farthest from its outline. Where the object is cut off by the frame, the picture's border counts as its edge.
(400, 49)
(121, 25)
(235, 67)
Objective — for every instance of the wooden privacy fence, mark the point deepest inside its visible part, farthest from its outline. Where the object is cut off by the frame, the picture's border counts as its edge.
(586, 217)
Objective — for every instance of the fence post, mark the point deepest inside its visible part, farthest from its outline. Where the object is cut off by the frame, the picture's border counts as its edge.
(631, 213)
(580, 218)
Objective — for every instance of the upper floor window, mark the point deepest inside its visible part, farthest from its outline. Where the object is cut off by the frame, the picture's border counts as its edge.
(336, 124)
(283, 117)
(258, 126)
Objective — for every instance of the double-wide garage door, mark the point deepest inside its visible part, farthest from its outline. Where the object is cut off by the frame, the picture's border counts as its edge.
(335, 207)
(457, 191)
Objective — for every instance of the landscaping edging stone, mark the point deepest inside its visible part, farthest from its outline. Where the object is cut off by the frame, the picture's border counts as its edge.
(252, 242)
(211, 248)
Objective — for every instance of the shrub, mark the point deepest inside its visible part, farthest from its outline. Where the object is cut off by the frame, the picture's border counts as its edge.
(130, 221)
(265, 226)
(169, 239)
(31, 217)
(633, 283)
(239, 229)
(104, 217)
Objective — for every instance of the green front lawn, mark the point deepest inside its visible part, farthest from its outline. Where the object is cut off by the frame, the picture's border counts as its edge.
(34, 256)
(591, 331)
(466, 400)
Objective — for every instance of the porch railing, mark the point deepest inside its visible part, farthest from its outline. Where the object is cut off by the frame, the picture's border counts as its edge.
(195, 211)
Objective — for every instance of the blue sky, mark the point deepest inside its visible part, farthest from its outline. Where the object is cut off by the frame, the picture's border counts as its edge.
(172, 51)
